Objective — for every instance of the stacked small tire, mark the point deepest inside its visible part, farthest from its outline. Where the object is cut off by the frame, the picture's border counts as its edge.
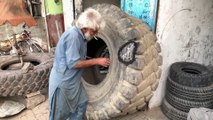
(189, 85)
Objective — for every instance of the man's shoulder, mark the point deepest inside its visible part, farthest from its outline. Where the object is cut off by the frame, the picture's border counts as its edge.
(73, 30)
(71, 33)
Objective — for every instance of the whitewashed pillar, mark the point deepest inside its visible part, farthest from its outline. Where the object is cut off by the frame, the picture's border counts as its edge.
(68, 12)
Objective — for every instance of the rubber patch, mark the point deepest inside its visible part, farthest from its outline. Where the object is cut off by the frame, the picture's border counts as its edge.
(126, 53)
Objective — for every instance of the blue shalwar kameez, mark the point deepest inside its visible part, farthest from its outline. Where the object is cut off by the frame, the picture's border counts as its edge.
(67, 96)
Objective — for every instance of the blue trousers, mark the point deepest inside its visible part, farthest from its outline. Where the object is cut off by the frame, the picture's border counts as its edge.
(59, 110)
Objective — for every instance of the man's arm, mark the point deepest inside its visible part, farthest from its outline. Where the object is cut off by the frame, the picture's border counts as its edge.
(96, 61)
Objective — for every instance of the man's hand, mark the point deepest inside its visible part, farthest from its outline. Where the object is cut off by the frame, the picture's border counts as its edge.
(105, 62)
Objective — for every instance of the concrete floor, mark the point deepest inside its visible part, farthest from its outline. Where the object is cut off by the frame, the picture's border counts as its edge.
(41, 112)
(152, 114)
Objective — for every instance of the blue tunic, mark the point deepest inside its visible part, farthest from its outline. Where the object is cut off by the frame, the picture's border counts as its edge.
(70, 49)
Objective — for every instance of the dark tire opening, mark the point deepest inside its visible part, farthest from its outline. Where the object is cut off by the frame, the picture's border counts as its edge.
(16, 64)
(96, 74)
(191, 71)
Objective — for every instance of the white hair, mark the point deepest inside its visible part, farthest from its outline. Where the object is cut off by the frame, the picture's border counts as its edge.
(90, 18)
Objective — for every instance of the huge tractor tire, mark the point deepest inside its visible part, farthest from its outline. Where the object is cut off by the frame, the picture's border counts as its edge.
(121, 88)
(17, 80)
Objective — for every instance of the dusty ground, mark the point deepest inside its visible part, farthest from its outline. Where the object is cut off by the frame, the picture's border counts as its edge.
(41, 113)
(153, 114)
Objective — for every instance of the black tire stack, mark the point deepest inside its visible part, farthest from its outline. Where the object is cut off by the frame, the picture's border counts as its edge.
(189, 85)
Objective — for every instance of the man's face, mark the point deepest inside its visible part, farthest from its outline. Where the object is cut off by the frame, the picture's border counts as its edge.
(90, 33)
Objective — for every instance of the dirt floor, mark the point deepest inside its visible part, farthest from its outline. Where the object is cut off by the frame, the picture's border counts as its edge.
(41, 112)
(153, 114)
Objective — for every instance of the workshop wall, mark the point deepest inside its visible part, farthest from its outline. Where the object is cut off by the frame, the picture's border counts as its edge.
(185, 33)
(89, 3)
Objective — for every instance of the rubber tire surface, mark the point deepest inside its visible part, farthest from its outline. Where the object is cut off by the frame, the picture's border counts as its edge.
(171, 112)
(17, 82)
(125, 89)
(186, 105)
(191, 74)
(196, 94)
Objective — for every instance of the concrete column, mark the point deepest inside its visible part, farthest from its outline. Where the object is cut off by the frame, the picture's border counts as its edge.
(68, 13)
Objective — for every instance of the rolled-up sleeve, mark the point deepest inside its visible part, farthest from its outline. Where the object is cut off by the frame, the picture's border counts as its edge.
(72, 51)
